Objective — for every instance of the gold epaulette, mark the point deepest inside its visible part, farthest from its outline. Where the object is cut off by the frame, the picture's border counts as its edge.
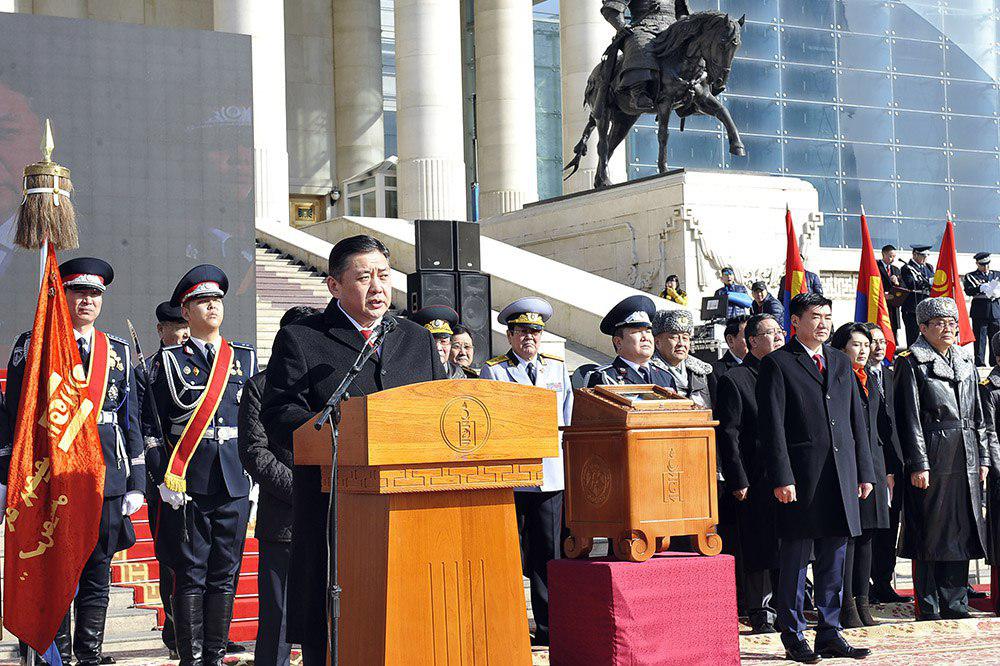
(905, 352)
(985, 382)
(497, 360)
(551, 357)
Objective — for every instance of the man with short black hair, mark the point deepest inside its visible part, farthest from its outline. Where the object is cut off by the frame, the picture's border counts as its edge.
(463, 350)
(440, 320)
(308, 360)
(630, 325)
(891, 277)
(983, 285)
(818, 462)
(764, 302)
(917, 275)
(730, 286)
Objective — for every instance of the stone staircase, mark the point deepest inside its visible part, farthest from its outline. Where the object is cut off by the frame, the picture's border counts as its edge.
(281, 284)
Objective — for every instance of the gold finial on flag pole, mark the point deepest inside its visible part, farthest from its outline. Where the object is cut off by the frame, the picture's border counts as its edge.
(48, 143)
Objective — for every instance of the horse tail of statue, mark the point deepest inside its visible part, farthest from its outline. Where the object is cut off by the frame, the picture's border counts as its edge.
(580, 149)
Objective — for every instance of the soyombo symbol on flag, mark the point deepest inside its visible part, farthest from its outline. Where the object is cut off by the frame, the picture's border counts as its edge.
(56, 482)
(947, 283)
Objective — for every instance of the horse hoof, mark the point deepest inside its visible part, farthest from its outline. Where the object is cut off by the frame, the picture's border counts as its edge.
(739, 151)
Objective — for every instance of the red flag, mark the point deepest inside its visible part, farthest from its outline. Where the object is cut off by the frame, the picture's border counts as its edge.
(56, 483)
(946, 283)
(795, 272)
(870, 304)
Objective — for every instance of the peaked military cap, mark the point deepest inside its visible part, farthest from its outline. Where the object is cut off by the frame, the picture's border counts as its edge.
(438, 319)
(922, 249)
(529, 311)
(634, 312)
(673, 321)
(939, 306)
(169, 314)
(982, 257)
(199, 282)
(86, 273)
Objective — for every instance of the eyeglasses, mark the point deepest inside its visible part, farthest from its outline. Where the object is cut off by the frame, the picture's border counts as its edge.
(943, 324)
(526, 333)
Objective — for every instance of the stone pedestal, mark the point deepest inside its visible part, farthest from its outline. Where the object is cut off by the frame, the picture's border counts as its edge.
(689, 223)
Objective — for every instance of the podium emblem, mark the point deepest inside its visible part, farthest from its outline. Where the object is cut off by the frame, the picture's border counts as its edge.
(596, 480)
(465, 424)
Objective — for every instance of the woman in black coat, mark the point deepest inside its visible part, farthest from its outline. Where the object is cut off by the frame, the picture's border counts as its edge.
(854, 340)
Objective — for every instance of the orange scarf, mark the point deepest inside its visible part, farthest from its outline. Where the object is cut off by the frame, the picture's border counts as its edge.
(862, 375)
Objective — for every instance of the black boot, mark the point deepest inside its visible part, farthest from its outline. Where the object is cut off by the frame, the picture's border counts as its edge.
(218, 613)
(639, 97)
(865, 612)
(849, 614)
(88, 637)
(64, 640)
(189, 627)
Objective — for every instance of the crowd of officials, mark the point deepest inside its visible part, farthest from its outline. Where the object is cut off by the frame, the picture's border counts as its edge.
(828, 454)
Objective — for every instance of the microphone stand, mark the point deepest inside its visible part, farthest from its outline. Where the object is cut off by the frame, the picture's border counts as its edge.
(331, 414)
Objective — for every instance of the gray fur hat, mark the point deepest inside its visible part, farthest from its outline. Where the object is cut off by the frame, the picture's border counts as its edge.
(673, 321)
(940, 306)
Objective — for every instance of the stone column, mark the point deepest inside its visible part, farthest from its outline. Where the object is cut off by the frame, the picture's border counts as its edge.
(264, 21)
(583, 37)
(505, 106)
(9, 6)
(63, 8)
(357, 82)
(429, 110)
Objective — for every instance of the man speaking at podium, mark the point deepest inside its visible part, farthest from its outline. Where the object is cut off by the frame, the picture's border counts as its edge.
(308, 361)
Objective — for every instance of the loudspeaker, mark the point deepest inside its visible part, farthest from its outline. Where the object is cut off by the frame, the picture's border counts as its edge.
(466, 246)
(425, 288)
(474, 312)
(434, 245)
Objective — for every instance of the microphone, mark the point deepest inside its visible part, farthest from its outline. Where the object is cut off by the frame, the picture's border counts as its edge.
(383, 329)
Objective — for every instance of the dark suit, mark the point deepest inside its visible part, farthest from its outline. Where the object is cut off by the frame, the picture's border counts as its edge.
(884, 543)
(918, 278)
(887, 272)
(984, 312)
(308, 360)
(813, 436)
(770, 305)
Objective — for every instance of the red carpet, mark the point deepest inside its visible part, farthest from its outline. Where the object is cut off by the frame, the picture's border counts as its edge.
(138, 569)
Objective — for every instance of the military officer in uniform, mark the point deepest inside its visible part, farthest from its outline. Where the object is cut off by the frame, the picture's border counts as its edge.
(196, 388)
(649, 18)
(629, 324)
(672, 330)
(106, 359)
(918, 276)
(441, 320)
(983, 285)
(539, 509)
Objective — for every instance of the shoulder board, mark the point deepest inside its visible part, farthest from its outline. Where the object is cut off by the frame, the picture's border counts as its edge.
(242, 345)
(496, 360)
(904, 353)
(170, 349)
(602, 368)
(985, 382)
(470, 372)
(115, 338)
(552, 357)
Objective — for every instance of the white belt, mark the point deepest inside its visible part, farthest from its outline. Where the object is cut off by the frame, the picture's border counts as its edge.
(104, 418)
(220, 433)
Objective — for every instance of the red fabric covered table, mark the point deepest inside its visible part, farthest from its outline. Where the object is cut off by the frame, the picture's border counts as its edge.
(676, 608)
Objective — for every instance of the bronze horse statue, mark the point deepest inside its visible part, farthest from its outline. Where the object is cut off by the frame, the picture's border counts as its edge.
(695, 55)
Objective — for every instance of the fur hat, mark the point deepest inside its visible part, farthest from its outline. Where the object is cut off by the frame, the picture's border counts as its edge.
(940, 306)
(673, 321)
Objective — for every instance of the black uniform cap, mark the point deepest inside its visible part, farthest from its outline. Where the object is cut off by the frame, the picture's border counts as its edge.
(982, 257)
(169, 314)
(86, 273)
(922, 249)
(200, 281)
(634, 312)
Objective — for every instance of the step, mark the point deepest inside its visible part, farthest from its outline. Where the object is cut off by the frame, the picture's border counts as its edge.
(130, 621)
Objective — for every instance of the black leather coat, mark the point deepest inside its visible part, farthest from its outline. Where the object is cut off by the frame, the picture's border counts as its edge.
(269, 466)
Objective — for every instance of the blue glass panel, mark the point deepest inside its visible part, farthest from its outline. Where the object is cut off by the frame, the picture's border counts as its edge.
(974, 168)
(760, 40)
(922, 164)
(863, 51)
(811, 14)
(918, 93)
(817, 121)
(861, 124)
(642, 146)
(883, 230)
(974, 236)
(815, 84)
(751, 77)
(811, 158)
(763, 155)
(755, 10)
(922, 200)
(640, 171)
(878, 197)
(852, 230)
(912, 57)
(702, 5)
(959, 65)
(696, 122)
(927, 230)
(814, 47)
(865, 88)
(973, 133)
(548, 91)
(975, 99)
(831, 234)
(867, 160)
(904, 21)
(871, 16)
(976, 203)
(695, 150)
(759, 116)
(829, 193)
(920, 129)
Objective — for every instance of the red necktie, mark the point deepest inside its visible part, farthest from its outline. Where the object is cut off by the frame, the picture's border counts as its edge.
(366, 333)
(819, 364)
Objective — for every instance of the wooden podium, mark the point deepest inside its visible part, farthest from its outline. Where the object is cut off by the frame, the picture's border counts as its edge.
(640, 468)
(428, 551)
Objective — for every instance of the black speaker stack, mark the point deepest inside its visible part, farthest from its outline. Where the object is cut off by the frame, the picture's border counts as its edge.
(448, 273)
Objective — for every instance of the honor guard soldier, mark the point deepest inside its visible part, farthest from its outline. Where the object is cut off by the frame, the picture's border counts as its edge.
(672, 331)
(539, 509)
(108, 362)
(983, 285)
(196, 389)
(918, 276)
(630, 326)
(441, 320)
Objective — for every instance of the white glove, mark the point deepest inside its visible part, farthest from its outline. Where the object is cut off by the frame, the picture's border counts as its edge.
(172, 497)
(132, 502)
(3, 501)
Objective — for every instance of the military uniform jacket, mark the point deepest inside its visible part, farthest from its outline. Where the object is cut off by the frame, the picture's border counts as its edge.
(917, 279)
(989, 394)
(177, 379)
(983, 307)
(620, 372)
(700, 380)
(117, 423)
(550, 373)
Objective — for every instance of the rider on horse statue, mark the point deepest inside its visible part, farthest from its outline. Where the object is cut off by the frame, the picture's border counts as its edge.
(649, 18)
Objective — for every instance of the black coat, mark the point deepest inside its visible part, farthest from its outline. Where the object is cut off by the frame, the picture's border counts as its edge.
(887, 274)
(941, 427)
(989, 394)
(918, 278)
(770, 305)
(982, 308)
(308, 360)
(620, 372)
(739, 455)
(875, 508)
(813, 434)
(887, 431)
(269, 466)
